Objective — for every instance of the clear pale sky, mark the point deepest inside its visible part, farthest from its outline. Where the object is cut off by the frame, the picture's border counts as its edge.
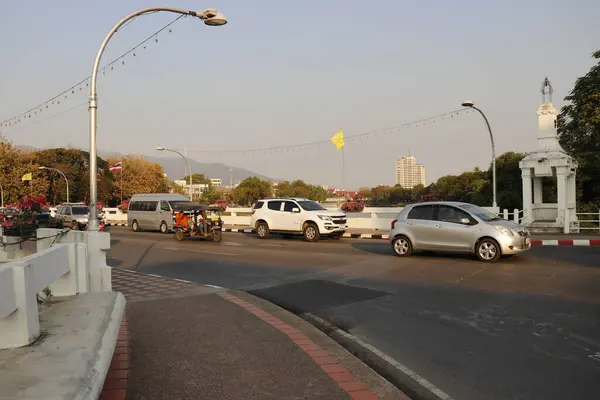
(282, 73)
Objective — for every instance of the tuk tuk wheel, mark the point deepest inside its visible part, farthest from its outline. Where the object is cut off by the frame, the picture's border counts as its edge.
(217, 235)
(179, 235)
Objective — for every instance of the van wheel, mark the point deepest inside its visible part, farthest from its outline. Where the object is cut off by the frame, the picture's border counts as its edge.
(311, 233)
(164, 228)
(134, 226)
(402, 246)
(487, 250)
(262, 230)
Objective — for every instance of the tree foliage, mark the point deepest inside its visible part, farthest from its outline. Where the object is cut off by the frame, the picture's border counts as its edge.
(251, 190)
(138, 176)
(197, 179)
(299, 188)
(579, 131)
(15, 163)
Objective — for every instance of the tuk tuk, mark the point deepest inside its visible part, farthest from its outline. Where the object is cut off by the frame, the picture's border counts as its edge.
(197, 220)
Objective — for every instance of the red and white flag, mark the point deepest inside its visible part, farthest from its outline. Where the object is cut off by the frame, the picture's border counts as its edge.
(116, 167)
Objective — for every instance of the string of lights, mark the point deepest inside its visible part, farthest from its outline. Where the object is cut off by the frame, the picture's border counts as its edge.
(348, 138)
(47, 117)
(78, 87)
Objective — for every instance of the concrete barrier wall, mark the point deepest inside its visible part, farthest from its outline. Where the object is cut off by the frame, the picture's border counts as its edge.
(371, 218)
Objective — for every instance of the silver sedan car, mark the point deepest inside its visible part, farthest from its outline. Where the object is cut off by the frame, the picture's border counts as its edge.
(456, 227)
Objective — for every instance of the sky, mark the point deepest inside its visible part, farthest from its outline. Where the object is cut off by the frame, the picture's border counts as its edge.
(283, 73)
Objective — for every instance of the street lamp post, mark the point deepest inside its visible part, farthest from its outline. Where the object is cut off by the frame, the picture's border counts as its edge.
(191, 191)
(209, 16)
(471, 104)
(1, 196)
(63, 175)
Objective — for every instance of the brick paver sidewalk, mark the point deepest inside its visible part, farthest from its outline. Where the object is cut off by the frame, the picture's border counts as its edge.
(183, 340)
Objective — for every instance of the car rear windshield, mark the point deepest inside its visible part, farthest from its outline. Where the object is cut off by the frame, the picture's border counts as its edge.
(480, 212)
(258, 205)
(311, 205)
(80, 210)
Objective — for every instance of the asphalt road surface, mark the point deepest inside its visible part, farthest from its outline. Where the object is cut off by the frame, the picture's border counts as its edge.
(527, 327)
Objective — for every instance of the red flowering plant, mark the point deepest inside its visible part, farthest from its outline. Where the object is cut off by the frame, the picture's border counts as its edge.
(26, 222)
(124, 206)
(355, 204)
(222, 203)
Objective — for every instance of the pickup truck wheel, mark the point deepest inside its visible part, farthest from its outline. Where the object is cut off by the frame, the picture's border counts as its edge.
(262, 230)
(311, 233)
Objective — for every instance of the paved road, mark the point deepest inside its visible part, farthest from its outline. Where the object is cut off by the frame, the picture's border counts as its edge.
(524, 328)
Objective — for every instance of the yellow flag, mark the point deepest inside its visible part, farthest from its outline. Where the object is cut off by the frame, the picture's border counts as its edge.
(26, 177)
(338, 140)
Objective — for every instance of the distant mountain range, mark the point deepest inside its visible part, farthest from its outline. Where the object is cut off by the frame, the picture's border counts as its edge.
(174, 167)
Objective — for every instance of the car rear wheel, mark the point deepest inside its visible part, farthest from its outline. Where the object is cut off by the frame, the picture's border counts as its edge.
(262, 230)
(402, 246)
(311, 233)
(164, 228)
(487, 250)
(135, 226)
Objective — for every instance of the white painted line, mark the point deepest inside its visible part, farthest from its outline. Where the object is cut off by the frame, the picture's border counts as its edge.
(366, 236)
(181, 280)
(347, 235)
(231, 243)
(234, 230)
(214, 286)
(156, 276)
(198, 251)
(248, 230)
(385, 236)
(549, 242)
(404, 369)
(581, 242)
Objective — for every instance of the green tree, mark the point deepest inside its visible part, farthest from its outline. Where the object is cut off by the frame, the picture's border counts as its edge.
(210, 195)
(251, 190)
(15, 163)
(138, 176)
(579, 132)
(197, 178)
(299, 188)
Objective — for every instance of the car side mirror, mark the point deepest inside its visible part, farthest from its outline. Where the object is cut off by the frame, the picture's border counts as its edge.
(295, 210)
(465, 221)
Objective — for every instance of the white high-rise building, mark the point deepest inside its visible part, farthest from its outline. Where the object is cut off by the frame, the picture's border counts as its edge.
(408, 173)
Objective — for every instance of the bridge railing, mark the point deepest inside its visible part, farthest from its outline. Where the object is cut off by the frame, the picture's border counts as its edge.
(69, 268)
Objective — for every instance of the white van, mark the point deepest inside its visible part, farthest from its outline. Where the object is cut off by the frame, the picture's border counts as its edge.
(153, 211)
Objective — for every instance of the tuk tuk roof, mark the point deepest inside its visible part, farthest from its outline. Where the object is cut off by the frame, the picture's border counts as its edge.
(189, 206)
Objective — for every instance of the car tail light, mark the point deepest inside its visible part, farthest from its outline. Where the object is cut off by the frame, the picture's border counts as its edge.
(394, 223)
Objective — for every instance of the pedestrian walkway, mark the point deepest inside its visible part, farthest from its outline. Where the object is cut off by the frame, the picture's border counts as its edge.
(183, 340)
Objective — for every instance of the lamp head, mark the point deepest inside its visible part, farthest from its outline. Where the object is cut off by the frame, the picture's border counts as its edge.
(161, 148)
(468, 103)
(212, 17)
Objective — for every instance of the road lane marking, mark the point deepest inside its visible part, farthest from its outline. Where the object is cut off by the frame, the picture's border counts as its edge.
(214, 286)
(198, 251)
(231, 243)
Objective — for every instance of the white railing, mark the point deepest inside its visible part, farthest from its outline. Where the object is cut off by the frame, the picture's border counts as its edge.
(586, 222)
(66, 269)
(371, 218)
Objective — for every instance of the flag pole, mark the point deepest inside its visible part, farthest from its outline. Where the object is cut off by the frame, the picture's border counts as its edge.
(344, 171)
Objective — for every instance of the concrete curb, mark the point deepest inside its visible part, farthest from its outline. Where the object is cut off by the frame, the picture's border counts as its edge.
(105, 352)
(415, 386)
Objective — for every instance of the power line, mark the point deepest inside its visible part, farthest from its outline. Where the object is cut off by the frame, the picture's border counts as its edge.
(49, 117)
(18, 118)
(348, 138)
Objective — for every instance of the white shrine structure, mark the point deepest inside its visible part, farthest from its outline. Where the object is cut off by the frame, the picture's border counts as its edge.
(548, 160)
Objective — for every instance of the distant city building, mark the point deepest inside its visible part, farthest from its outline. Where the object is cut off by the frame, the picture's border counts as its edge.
(216, 182)
(408, 173)
(197, 188)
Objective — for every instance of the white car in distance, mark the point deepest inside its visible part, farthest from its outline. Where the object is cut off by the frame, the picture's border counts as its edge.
(297, 216)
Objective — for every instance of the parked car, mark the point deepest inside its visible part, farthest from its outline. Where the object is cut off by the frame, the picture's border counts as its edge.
(73, 215)
(456, 227)
(297, 216)
(153, 211)
(9, 213)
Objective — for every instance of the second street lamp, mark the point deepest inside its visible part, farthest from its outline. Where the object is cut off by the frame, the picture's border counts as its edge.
(191, 191)
(471, 104)
(63, 175)
(210, 17)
